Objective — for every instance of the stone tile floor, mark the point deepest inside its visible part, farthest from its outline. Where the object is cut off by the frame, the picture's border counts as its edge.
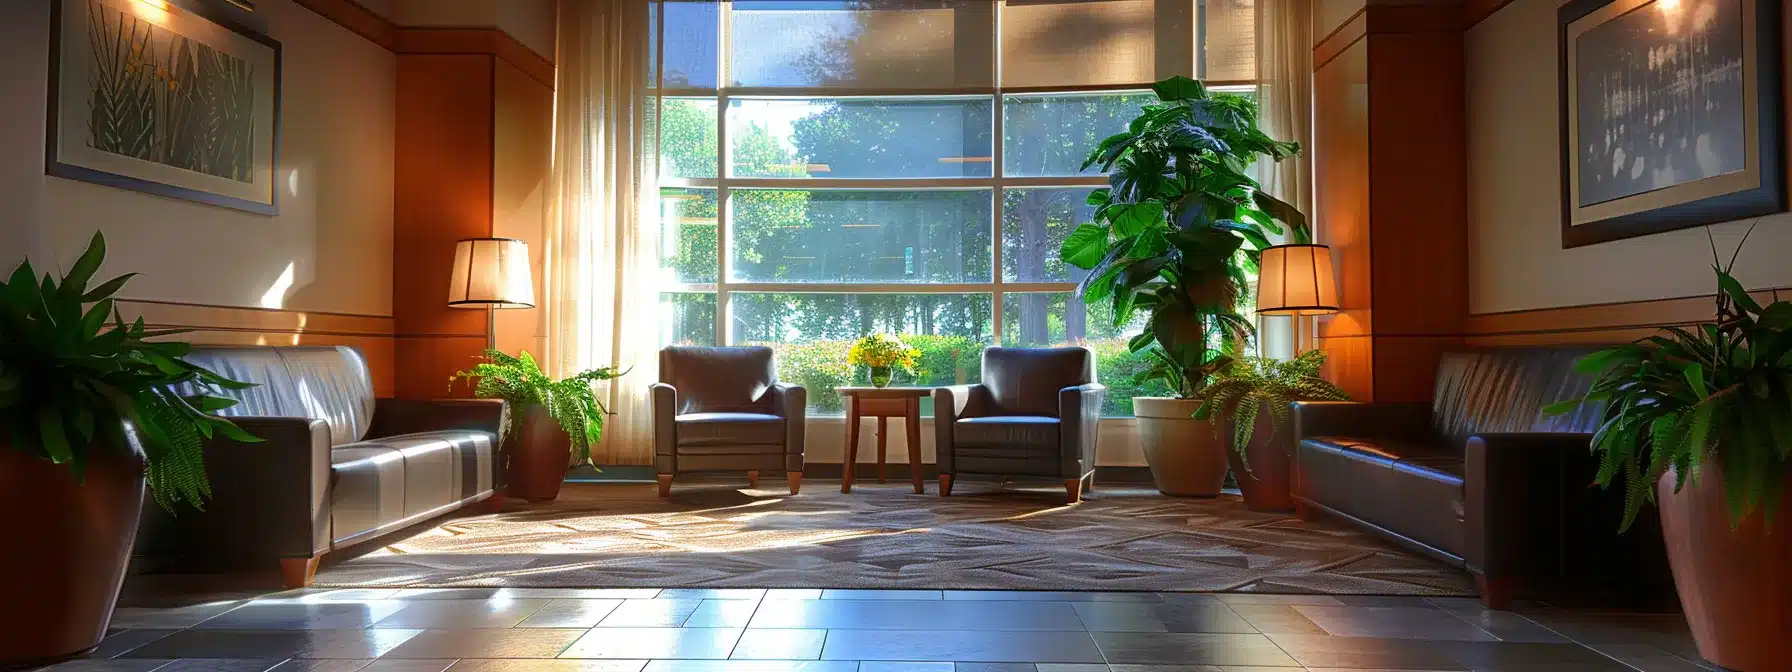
(744, 630)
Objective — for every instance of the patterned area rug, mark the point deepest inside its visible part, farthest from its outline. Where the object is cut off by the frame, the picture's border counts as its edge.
(885, 536)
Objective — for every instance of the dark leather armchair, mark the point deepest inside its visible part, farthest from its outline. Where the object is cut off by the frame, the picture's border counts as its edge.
(1035, 414)
(723, 409)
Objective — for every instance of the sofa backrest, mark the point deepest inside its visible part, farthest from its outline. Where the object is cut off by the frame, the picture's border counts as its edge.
(720, 380)
(324, 383)
(1025, 381)
(1506, 389)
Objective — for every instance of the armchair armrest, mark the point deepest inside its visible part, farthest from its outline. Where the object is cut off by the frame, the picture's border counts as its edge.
(1514, 490)
(665, 426)
(949, 405)
(1079, 418)
(393, 417)
(1410, 422)
(269, 499)
(792, 403)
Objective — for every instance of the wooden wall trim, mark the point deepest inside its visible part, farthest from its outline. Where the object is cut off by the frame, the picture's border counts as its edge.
(1342, 39)
(359, 20)
(1599, 323)
(404, 40)
(1476, 11)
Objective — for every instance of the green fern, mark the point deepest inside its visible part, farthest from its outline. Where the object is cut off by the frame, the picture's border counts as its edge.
(1252, 383)
(519, 381)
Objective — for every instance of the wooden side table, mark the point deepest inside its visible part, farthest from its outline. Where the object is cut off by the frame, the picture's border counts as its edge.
(883, 403)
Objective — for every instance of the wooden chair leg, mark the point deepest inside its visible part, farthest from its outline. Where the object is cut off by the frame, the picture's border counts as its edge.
(945, 485)
(665, 485)
(796, 481)
(753, 479)
(297, 572)
(1074, 488)
(1496, 594)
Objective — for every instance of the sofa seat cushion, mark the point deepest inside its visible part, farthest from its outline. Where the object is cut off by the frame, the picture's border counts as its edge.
(1029, 434)
(444, 467)
(367, 489)
(1410, 489)
(729, 429)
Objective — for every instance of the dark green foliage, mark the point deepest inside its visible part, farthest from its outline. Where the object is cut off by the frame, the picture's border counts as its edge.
(1683, 397)
(1252, 383)
(520, 382)
(1180, 226)
(70, 382)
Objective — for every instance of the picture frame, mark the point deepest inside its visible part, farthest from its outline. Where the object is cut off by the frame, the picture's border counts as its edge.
(1670, 114)
(164, 97)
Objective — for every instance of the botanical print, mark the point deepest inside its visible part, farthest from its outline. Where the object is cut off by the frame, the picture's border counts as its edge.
(159, 96)
(1661, 98)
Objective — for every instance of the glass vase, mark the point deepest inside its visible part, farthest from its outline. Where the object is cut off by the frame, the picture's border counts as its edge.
(880, 376)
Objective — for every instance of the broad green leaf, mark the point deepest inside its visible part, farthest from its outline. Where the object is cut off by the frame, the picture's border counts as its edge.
(1135, 219)
(1179, 88)
(1085, 246)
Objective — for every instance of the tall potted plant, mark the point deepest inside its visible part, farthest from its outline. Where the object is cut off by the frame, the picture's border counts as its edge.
(1699, 422)
(1176, 233)
(1251, 397)
(89, 413)
(552, 423)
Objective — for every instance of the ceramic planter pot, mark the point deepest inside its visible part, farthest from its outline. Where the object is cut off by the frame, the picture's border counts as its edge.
(1186, 459)
(74, 544)
(538, 457)
(1735, 585)
(1268, 485)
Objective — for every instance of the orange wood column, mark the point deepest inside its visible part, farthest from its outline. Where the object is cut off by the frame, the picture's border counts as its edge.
(1391, 196)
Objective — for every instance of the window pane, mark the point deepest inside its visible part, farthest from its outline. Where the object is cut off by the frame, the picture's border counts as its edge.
(1034, 225)
(860, 137)
(1034, 320)
(1087, 42)
(813, 332)
(687, 319)
(690, 34)
(861, 43)
(1051, 134)
(1229, 40)
(851, 235)
(688, 235)
(688, 138)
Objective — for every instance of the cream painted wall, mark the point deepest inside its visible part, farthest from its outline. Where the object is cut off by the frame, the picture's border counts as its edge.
(1516, 260)
(1328, 15)
(531, 22)
(334, 232)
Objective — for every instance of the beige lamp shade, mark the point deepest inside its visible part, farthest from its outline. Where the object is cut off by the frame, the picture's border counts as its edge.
(1297, 280)
(491, 273)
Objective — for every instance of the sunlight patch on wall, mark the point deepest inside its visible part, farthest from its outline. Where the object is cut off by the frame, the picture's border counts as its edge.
(275, 297)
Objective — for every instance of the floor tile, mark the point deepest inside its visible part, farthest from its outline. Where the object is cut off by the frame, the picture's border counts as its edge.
(655, 613)
(753, 666)
(722, 614)
(1015, 667)
(570, 613)
(134, 618)
(1426, 622)
(1383, 601)
(488, 643)
(961, 645)
(1503, 656)
(1074, 667)
(304, 616)
(1266, 598)
(1132, 617)
(903, 666)
(118, 643)
(1365, 652)
(322, 665)
(1190, 649)
(1049, 596)
(712, 593)
(916, 615)
(655, 643)
(1280, 619)
(779, 645)
(462, 614)
(409, 665)
(548, 665)
(110, 665)
(1646, 658)
(447, 593)
(793, 594)
(1209, 668)
(276, 644)
(582, 593)
(223, 665)
(1508, 626)
(849, 594)
(1189, 598)
(314, 596)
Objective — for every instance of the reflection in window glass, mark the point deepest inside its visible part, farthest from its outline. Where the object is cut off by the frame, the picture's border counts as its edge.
(688, 235)
(851, 235)
(687, 136)
(813, 332)
(690, 35)
(687, 318)
(1052, 43)
(860, 137)
(862, 43)
(1045, 319)
(1034, 225)
(1049, 135)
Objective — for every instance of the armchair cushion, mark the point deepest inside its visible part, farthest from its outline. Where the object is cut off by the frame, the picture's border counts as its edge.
(720, 380)
(1031, 433)
(727, 429)
(367, 490)
(1410, 489)
(1026, 381)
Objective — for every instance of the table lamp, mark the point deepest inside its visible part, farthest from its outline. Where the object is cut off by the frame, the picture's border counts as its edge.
(1297, 280)
(491, 273)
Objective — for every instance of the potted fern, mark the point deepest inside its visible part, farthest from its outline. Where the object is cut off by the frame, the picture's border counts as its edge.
(1251, 397)
(89, 415)
(551, 426)
(1699, 422)
(1176, 234)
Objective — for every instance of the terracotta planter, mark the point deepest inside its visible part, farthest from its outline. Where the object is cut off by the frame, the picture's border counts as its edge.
(538, 457)
(1186, 459)
(1735, 585)
(1269, 483)
(73, 544)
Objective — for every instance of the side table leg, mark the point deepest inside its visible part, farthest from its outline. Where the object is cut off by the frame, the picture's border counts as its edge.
(912, 428)
(883, 433)
(852, 443)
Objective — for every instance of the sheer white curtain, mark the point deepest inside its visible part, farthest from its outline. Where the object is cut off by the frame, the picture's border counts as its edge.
(602, 244)
(1285, 111)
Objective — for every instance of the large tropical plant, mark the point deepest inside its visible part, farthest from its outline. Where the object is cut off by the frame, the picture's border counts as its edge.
(1681, 398)
(1251, 383)
(1181, 226)
(73, 384)
(570, 401)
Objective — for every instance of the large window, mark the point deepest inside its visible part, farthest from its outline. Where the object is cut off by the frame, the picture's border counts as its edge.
(833, 168)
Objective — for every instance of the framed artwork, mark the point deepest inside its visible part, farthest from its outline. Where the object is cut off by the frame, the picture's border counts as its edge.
(1670, 115)
(157, 97)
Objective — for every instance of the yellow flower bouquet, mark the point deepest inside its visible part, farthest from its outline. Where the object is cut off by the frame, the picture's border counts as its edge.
(880, 353)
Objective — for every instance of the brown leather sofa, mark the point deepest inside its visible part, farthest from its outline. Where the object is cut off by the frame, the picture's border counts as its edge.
(723, 409)
(1035, 414)
(1479, 477)
(337, 466)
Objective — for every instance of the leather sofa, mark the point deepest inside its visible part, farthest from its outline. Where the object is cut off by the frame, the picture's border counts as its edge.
(1479, 477)
(337, 466)
(1035, 414)
(723, 409)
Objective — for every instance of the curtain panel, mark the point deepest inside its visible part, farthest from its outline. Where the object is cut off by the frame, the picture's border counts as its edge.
(1284, 67)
